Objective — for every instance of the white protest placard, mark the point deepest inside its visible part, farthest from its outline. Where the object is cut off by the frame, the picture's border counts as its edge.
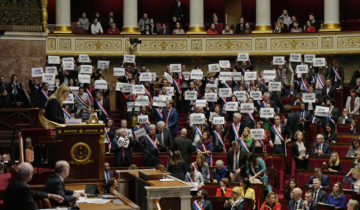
(168, 77)
(231, 106)
(138, 89)
(123, 142)
(142, 100)
(86, 69)
(142, 119)
(129, 132)
(266, 112)
(275, 86)
(101, 84)
(69, 99)
(302, 69)
(211, 97)
(250, 75)
(211, 86)
(247, 108)
(237, 76)
(218, 121)
(257, 133)
(103, 64)
(170, 91)
(175, 68)
(74, 89)
(225, 76)
(51, 70)
(186, 75)
(84, 78)
(196, 74)
(278, 60)
(140, 132)
(84, 58)
(308, 97)
(308, 58)
(319, 62)
(127, 88)
(153, 76)
(119, 72)
(49, 78)
(190, 95)
(214, 67)
(225, 92)
(200, 103)
(158, 101)
(197, 119)
(53, 59)
(119, 86)
(240, 95)
(295, 57)
(145, 77)
(129, 58)
(37, 72)
(130, 106)
(256, 95)
(67, 59)
(321, 111)
(225, 64)
(269, 75)
(68, 65)
(165, 97)
(243, 56)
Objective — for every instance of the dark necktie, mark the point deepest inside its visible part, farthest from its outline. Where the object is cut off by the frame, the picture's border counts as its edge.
(315, 196)
(296, 205)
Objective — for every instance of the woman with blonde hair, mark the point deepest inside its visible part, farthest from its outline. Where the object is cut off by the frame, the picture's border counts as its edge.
(334, 164)
(271, 202)
(354, 180)
(176, 165)
(299, 151)
(202, 166)
(235, 202)
(53, 109)
(247, 139)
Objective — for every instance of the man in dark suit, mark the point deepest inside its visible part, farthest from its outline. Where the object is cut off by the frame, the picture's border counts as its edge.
(184, 145)
(171, 118)
(178, 10)
(304, 118)
(18, 195)
(204, 204)
(103, 105)
(236, 128)
(108, 174)
(324, 180)
(121, 146)
(319, 195)
(292, 120)
(309, 203)
(236, 162)
(55, 183)
(278, 136)
(45, 94)
(163, 136)
(329, 91)
(336, 74)
(291, 91)
(321, 148)
(296, 202)
(150, 146)
(163, 30)
(345, 118)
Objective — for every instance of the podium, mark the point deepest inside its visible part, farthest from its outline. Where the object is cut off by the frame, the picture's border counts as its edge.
(83, 147)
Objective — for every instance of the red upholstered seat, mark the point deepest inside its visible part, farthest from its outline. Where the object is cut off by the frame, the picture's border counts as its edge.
(211, 189)
(345, 138)
(318, 163)
(340, 149)
(343, 128)
(303, 177)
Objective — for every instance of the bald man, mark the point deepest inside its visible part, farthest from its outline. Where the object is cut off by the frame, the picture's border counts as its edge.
(296, 202)
(184, 145)
(55, 183)
(18, 194)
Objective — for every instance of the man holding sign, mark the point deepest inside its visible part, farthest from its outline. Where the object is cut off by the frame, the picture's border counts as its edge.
(151, 147)
(122, 148)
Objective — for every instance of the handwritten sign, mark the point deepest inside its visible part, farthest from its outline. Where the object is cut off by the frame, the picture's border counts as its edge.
(142, 119)
(321, 111)
(302, 69)
(240, 95)
(146, 77)
(49, 78)
(170, 91)
(295, 57)
(123, 142)
(158, 101)
(247, 108)
(69, 99)
(84, 78)
(138, 89)
(129, 58)
(86, 69)
(68, 65)
(51, 70)
(103, 64)
(175, 68)
(84, 58)
(67, 59)
(266, 112)
(319, 62)
(196, 74)
(130, 106)
(142, 100)
(256, 95)
(218, 121)
(243, 56)
(37, 72)
(225, 64)
(53, 59)
(101, 84)
(197, 119)
(211, 97)
(200, 103)
(308, 58)
(225, 92)
(250, 75)
(237, 76)
(225, 76)
(269, 75)
(231, 106)
(140, 132)
(278, 60)
(74, 89)
(211, 86)
(275, 86)
(257, 133)
(119, 72)
(127, 88)
(214, 67)
(186, 75)
(308, 97)
(190, 95)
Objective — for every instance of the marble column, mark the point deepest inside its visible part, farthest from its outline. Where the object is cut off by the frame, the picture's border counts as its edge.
(263, 17)
(44, 4)
(196, 17)
(130, 24)
(331, 16)
(63, 17)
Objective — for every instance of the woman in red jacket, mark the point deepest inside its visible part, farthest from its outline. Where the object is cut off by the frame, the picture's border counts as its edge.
(224, 190)
(271, 202)
(308, 28)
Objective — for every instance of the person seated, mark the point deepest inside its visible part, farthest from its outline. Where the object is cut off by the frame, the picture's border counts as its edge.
(163, 30)
(345, 118)
(146, 30)
(194, 176)
(330, 134)
(299, 152)
(236, 202)
(337, 197)
(240, 27)
(354, 180)
(318, 193)
(291, 186)
(202, 203)
(152, 26)
(178, 29)
(308, 28)
(84, 21)
(220, 171)
(277, 29)
(247, 28)
(246, 190)
(296, 28)
(321, 148)
(55, 184)
(96, 27)
(324, 180)
(354, 148)
(29, 151)
(113, 30)
(296, 202)
(114, 187)
(224, 190)
(271, 202)
(314, 22)
(78, 28)
(353, 103)
(283, 26)
(212, 30)
(309, 203)
(108, 175)
(354, 127)
(18, 195)
(202, 166)
(227, 30)
(334, 164)
(353, 205)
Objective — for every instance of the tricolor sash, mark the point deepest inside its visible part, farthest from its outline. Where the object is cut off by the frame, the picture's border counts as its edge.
(195, 166)
(177, 86)
(148, 94)
(258, 102)
(236, 132)
(189, 177)
(46, 96)
(90, 96)
(66, 113)
(102, 109)
(279, 72)
(197, 205)
(239, 201)
(244, 145)
(80, 100)
(199, 131)
(220, 140)
(153, 142)
(107, 139)
(223, 99)
(337, 76)
(167, 118)
(227, 85)
(254, 172)
(263, 104)
(252, 118)
(242, 71)
(320, 80)
(278, 133)
(303, 84)
(159, 113)
(330, 119)
(204, 148)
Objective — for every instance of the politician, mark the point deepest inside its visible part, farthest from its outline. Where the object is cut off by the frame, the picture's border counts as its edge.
(53, 109)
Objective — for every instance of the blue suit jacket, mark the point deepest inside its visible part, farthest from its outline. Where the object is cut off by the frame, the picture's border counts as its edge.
(325, 182)
(173, 121)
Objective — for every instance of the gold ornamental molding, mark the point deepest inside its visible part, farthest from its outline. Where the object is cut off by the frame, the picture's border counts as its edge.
(204, 45)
